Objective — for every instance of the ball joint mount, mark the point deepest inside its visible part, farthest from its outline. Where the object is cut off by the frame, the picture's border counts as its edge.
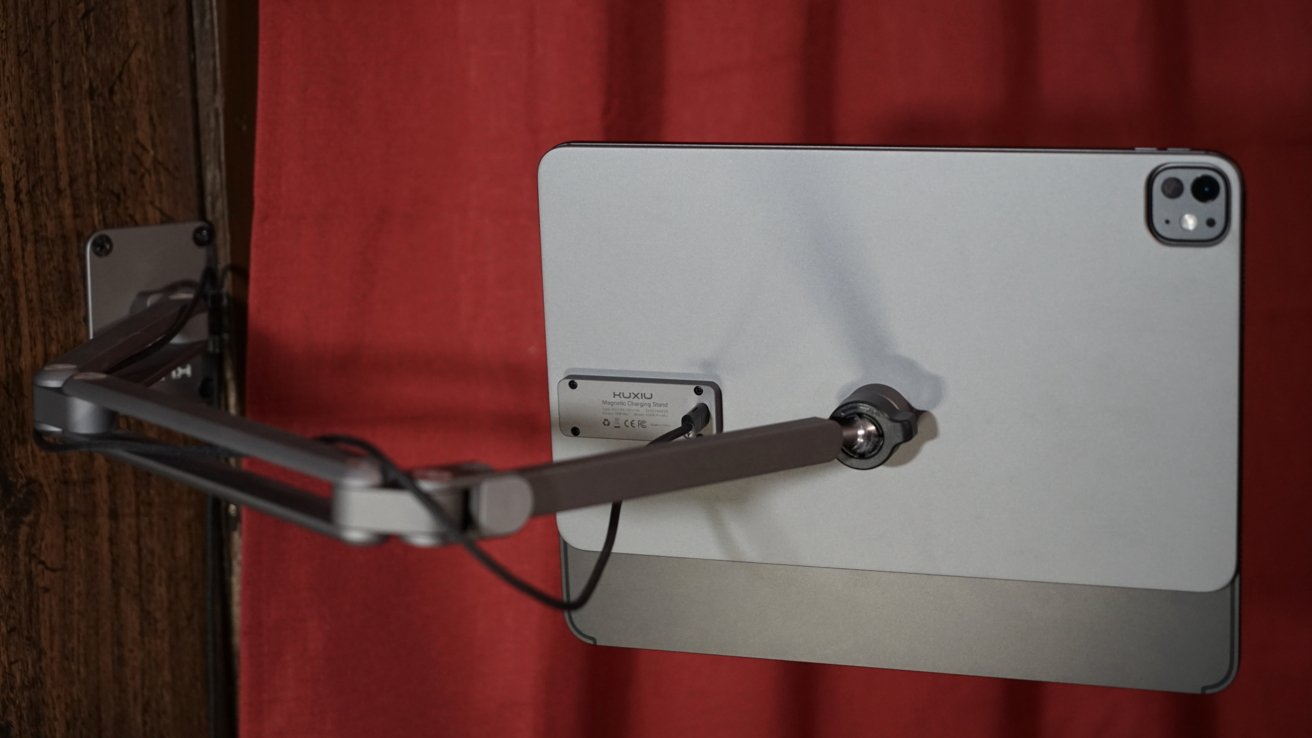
(876, 420)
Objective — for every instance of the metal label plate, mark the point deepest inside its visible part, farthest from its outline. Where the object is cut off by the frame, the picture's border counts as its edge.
(629, 409)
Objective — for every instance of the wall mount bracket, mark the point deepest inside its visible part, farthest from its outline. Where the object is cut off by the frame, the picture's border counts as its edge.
(81, 395)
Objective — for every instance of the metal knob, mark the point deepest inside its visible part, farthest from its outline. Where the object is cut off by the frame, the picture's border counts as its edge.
(876, 419)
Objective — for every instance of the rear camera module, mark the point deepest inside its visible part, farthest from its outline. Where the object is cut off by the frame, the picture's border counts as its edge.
(1204, 189)
(1188, 204)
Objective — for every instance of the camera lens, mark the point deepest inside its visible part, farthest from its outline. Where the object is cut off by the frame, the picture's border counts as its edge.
(1172, 187)
(1205, 188)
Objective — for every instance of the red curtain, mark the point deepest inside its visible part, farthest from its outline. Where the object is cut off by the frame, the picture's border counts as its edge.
(396, 295)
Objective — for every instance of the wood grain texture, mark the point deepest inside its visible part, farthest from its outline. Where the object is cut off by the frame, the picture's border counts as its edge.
(226, 39)
(101, 568)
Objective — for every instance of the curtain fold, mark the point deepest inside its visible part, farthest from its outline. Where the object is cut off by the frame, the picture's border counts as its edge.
(396, 295)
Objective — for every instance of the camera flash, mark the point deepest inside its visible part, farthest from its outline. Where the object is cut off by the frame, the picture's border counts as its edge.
(1189, 221)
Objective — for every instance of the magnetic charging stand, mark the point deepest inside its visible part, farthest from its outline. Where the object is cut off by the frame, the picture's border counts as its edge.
(150, 357)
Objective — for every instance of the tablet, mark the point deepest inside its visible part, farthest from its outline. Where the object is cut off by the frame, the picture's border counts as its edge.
(1068, 321)
(1077, 358)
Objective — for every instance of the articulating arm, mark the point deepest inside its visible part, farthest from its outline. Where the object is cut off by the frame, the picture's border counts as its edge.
(80, 396)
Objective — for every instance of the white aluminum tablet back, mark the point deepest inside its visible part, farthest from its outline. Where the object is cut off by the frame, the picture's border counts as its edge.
(1082, 377)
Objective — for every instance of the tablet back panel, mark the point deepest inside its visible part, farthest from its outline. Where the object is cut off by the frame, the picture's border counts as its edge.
(1081, 377)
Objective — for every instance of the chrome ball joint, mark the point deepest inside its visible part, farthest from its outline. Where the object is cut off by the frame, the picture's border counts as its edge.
(876, 419)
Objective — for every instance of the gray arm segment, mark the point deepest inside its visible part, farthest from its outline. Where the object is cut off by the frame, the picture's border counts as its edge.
(238, 434)
(125, 337)
(232, 484)
(650, 470)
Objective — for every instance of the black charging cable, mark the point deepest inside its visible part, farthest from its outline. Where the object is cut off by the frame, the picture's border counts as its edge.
(206, 285)
(694, 422)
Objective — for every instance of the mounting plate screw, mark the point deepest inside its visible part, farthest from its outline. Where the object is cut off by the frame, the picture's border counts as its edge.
(203, 235)
(102, 245)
